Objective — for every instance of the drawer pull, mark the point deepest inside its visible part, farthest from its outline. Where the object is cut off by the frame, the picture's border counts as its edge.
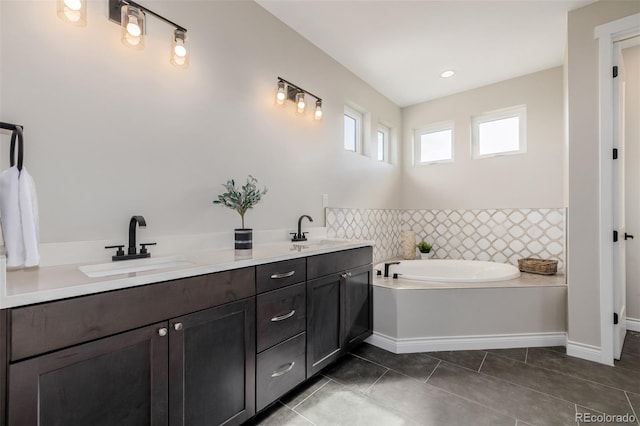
(282, 275)
(283, 317)
(284, 370)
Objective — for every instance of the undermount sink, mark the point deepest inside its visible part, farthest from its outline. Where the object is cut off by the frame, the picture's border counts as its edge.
(129, 266)
(314, 243)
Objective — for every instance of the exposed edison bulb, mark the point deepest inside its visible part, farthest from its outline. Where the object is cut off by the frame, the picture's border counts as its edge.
(179, 49)
(73, 11)
(133, 21)
(280, 94)
(300, 102)
(318, 114)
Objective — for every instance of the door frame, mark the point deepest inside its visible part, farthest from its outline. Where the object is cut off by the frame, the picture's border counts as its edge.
(607, 34)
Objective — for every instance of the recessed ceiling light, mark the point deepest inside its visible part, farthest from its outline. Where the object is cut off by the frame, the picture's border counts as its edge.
(448, 73)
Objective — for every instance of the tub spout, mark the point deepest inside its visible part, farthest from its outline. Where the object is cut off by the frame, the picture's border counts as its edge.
(386, 267)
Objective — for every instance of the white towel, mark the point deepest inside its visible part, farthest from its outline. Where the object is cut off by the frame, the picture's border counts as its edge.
(10, 214)
(29, 218)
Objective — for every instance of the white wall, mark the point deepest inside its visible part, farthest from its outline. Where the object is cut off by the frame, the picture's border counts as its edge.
(632, 171)
(112, 132)
(533, 179)
(583, 130)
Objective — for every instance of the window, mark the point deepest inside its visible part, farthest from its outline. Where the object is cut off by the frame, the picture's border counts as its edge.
(434, 144)
(352, 129)
(500, 132)
(383, 143)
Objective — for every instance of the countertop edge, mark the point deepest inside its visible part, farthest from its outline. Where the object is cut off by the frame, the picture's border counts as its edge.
(29, 298)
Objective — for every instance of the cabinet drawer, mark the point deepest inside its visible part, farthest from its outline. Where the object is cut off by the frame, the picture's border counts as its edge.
(280, 314)
(280, 274)
(330, 263)
(279, 370)
(49, 326)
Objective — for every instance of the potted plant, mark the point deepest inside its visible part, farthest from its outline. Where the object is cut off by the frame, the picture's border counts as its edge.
(425, 249)
(241, 199)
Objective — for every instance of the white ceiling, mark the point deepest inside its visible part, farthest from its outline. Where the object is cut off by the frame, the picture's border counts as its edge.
(401, 47)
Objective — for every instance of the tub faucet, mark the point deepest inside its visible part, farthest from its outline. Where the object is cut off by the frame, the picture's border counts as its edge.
(301, 236)
(386, 268)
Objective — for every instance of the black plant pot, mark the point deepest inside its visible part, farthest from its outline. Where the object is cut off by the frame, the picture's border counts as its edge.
(244, 238)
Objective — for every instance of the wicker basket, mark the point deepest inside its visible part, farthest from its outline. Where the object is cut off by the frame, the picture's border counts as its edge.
(538, 266)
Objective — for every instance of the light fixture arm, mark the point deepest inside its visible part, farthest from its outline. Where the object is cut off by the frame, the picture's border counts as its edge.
(116, 5)
(297, 89)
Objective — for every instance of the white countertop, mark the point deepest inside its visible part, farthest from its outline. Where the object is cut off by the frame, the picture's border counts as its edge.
(36, 285)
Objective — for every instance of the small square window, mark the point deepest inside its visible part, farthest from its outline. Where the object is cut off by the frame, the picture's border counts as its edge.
(500, 132)
(352, 129)
(434, 144)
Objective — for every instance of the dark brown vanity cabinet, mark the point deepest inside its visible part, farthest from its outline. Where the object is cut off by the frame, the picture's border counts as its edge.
(206, 350)
(339, 305)
(195, 367)
(281, 329)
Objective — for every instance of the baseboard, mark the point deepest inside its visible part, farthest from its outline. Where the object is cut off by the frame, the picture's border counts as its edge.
(633, 324)
(456, 343)
(581, 350)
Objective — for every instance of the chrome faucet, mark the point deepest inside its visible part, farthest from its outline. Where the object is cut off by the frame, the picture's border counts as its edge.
(132, 252)
(301, 236)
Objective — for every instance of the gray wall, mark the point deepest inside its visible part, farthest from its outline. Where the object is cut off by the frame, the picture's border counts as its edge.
(583, 165)
(533, 179)
(112, 132)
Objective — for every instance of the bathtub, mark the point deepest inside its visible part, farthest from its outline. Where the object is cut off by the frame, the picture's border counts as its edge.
(453, 271)
(442, 305)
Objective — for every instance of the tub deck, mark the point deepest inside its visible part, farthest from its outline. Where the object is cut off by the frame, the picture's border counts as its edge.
(526, 280)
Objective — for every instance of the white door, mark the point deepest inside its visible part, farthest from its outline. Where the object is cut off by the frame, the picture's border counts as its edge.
(619, 255)
(631, 57)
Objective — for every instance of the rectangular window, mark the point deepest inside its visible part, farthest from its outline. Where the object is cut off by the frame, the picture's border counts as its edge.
(500, 132)
(352, 129)
(434, 144)
(383, 143)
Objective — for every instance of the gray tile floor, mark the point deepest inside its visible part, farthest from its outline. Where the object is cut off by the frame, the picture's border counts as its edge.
(526, 386)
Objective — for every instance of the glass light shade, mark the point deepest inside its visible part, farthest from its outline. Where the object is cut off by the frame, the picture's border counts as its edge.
(73, 11)
(133, 27)
(318, 114)
(300, 102)
(179, 49)
(281, 96)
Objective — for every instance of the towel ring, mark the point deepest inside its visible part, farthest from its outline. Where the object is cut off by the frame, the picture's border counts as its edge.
(17, 133)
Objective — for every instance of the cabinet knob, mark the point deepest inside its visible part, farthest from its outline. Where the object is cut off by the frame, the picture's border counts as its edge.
(162, 332)
(178, 326)
(346, 275)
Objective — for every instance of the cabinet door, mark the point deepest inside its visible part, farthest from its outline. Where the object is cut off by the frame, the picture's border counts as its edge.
(359, 304)
(325, 323)
(118, 380)
(212, 366)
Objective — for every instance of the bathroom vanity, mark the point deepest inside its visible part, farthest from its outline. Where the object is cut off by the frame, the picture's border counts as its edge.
(213, 348)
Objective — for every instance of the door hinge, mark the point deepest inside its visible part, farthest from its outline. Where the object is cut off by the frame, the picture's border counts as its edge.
(615, 71)
(615, 153)
(615, 318)
(615, 236)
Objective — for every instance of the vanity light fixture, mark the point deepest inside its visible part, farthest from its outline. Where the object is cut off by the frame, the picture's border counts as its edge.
(179, 49)
(280, 94)
(131, 16)
(287, 90)
(318, 114)
(73, 11)
(300, 102)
